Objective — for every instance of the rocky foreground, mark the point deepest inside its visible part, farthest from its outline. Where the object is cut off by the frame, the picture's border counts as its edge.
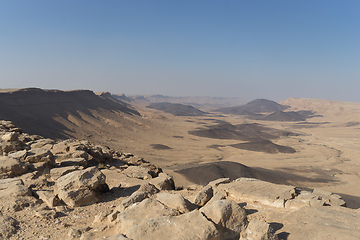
(75, 190)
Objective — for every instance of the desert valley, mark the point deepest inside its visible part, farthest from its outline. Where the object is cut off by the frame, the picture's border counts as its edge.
(84, 165)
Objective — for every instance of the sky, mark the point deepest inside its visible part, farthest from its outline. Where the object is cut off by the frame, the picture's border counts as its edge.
(245, 48)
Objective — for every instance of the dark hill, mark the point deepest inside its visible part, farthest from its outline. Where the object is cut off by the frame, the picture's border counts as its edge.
(204, 173)
(264, 146)
(246, 132)
(177, 109)
(58, 114)
(254, 107)
(284, 116)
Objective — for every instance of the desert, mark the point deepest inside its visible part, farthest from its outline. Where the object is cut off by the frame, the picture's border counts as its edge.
(84, 165)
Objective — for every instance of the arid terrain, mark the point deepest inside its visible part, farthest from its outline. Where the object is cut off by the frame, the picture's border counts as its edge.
(307, 143)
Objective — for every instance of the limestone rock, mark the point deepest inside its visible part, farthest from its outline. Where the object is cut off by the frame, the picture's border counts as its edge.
(13, 187)
(163, 182)
(137, 196)
(11, 167)
(329, 198)
(55, 173)
(326, 222)
(137, 172)
(45, 143)
(188, 226)
(258, 230)
(74, 162)
(219, 181)
(48, 197)
(175, 201)
(39, 155)
(142, 212)
(80, 187)
(256, 191)
(229, 218)
(204, 195)
(10, 136)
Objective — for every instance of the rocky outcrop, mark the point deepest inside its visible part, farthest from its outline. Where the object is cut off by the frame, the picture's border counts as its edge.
(80, 187)
(61, 187)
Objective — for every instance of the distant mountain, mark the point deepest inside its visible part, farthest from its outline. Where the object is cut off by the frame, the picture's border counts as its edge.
(177, 109)
(202, 102)
(254, 107)
(63, 114)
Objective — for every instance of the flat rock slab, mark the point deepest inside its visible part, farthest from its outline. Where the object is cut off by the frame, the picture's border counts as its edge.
(327, 222)
(188, 226)
(256, 191)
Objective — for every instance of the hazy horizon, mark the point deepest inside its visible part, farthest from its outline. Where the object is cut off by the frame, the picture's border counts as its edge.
(244, 49)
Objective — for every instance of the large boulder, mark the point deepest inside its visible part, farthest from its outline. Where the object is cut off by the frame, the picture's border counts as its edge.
(81, 187)
(142, 212)
(11, 167)
(188, 226)
(255, 191)
(229, 218)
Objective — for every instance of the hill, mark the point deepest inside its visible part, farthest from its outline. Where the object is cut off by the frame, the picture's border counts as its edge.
(253, 107)
(177, 109)
(59, 114)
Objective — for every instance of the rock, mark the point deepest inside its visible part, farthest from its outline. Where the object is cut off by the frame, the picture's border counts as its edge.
(258, 230)
(39, 155)
(137, 196)
(13, 187)
(188, 226)
(45, 143)
(137, 172)
(141, 212)
(229, 218)
(304, 199)
(10, 136)
(11, 167)
(326, 222)
(48, 197)
(217, 196)
(145, 191)
(12, 146)
(163, 182)
(8, 227)
(204, 195)
(329, 198)
(55, 173)
(175, 201)
(81, 187)
(255, 191)
(21, 155)
(219, 181)
(74, 162)
(74, 233)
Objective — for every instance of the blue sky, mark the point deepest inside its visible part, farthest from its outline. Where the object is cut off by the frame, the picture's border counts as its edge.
(248, 49)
